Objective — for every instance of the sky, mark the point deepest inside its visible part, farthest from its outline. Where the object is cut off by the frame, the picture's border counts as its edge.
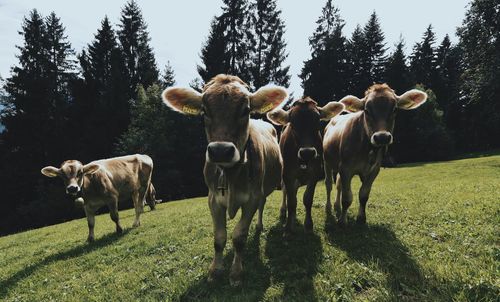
(179, 28)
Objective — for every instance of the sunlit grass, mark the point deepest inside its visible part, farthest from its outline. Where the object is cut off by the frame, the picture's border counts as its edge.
(432, 234)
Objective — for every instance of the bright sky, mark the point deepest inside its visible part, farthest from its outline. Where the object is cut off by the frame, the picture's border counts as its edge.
(178, 28)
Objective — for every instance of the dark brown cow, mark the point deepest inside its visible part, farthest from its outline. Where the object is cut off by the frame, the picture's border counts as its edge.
(106, 182)
(354, 144)
(302, 151)
(243, 162)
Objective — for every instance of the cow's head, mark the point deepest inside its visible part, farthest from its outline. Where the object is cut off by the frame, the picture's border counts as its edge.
(304, 118)
(379, 110)
(71, 172)
(225, 105)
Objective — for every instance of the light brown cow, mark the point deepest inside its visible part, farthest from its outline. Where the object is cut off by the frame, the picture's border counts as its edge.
(354, 144)
(302, 151)
(243, 161)
(106, 182)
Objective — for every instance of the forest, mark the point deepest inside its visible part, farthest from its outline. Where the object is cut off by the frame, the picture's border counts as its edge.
(105, 101)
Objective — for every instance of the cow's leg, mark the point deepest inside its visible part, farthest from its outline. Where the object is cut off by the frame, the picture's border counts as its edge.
(364, 193)
(336, 205)
(240, 234)
(90, 213)
(139, 207)
(113, 213)
(346, 179)
(260, 226)
(283, 204)
(308, 201)
(291, 201)
(219, 225)
(328, 185)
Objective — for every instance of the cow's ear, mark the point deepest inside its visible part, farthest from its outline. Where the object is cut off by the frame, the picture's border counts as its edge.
(330, 110)
(267, 98)
(50, 171)
(91, 168)
(353, 104)
(278, 117)
(411, 99)
(183, 100)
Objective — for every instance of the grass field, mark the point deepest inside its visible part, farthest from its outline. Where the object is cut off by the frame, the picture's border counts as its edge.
(432, 234)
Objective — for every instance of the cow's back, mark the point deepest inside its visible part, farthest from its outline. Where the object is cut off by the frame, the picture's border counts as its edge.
(341, 137)
(267, 161)
(128, 173)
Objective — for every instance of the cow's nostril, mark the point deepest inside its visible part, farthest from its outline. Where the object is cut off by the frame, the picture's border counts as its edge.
(221, 152)
(382, 138)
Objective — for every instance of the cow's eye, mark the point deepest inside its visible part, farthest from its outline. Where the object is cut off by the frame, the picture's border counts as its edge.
(80, 173)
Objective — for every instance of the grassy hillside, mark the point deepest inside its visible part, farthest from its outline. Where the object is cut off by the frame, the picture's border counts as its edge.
(432, 235)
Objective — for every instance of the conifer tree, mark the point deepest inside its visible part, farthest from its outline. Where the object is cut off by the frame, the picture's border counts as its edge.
(214, 54)
(134, 40)
(423, 60)
(267, 44)
(324, 75)
(396, 70)
(359, 63)
(375, 47)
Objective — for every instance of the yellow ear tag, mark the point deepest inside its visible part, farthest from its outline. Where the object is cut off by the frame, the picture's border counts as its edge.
(267, 108)
(189, 109)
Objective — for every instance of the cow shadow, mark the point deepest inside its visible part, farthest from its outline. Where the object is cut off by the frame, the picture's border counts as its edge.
(294, 262)
(77, 251)
(256, 278)
(377, 243)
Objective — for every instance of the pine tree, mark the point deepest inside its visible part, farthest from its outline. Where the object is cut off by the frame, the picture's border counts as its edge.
(359, 63)
(324, 75)
(102, 102)
(396, 70)
(375, 44)
(268, 44)
(35, 121)
(480, 42)
(234, 17)
(168, 76)
(423, 60)
(139, 56)
(214, 55)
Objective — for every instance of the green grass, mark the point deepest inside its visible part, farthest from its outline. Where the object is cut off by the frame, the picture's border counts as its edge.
(432, 234)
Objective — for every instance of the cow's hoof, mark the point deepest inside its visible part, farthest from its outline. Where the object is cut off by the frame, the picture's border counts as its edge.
(342, 222)
(214, 274)
(308, 226)
(328, 209)
(119, 230)
(361, 220)
(259, 228)
(136, 224)
(283, 216)
(90, 239)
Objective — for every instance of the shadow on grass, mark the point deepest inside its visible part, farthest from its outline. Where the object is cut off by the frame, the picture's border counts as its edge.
(294, 262)
(256, 278)
(377, 243)
(80, 250)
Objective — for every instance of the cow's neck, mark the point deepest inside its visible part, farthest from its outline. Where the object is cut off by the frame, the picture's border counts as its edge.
(231, 185)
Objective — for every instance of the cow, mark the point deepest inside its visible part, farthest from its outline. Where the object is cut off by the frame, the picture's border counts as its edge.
(355, 143)
(302, 152)
(243, 160)
(106, 182)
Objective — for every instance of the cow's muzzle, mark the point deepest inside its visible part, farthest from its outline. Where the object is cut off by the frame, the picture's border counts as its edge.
(222, 153)
(307, 154)
(381, 138)
(72, 189)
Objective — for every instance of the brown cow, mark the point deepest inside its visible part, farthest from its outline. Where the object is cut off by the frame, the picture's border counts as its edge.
(354, 144)
(302, 151)
(106, 182)
(243, 161)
